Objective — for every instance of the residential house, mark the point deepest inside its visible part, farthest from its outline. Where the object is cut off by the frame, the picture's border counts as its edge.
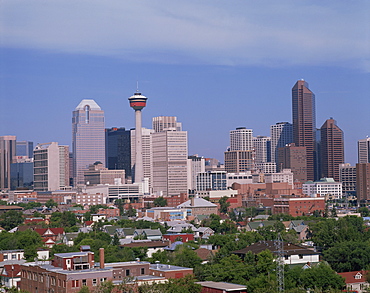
(51, 236)
(150, 234)
(10, 275)
(356, 281)
(293, 254)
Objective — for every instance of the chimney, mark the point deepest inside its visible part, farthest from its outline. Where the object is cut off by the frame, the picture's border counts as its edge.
(192, 202)
(101, 258)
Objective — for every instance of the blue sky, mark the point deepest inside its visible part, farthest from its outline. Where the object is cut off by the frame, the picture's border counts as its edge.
(216, 65)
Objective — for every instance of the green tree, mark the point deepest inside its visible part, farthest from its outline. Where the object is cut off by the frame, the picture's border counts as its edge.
(115, 240)
(11, 219)
(365, 212)
(185, 256)
(348, 256)
(224, 204)
(51, 203)
(160, 202)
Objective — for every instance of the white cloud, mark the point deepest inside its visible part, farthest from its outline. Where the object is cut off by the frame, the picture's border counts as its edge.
(218, 32)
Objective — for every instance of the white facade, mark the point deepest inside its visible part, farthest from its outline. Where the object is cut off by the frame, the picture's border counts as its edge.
(211, 180)
(163, 123)
(241, 139)
(146, 153)
(262, 148)
(217, 193)
(286, 175)
(170, 154)
(325, 187)
(266, 167)
(51, 166)
(364, 150)
(196, 165)
(281, 135)
(241, 178)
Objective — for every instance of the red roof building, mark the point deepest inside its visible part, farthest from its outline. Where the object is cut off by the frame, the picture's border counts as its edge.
(355, 281)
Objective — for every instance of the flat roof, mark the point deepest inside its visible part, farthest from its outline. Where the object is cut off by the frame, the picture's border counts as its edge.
(228, 287)
(163, 267)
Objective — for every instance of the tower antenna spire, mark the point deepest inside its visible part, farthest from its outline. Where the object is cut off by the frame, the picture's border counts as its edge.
(137, 86)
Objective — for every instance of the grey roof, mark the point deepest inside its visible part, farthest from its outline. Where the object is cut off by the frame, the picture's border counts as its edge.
(198, 202)
(228, 287)
(93, 105)
(163, 267)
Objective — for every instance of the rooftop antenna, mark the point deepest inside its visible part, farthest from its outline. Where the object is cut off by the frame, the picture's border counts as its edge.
(137, 86)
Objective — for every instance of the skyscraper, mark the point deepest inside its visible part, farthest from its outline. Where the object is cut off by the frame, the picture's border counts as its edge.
(304, 123)
(262, 148)
(24, 148)
(7, 152)
(241, 139)
(118, 149)
(281, 135)
(363, 183)
(146, 142)
(294, 158)
(364, 150)
(138, 102)
(332, 149)
(170, 154)
(88, 138)
(51, 166)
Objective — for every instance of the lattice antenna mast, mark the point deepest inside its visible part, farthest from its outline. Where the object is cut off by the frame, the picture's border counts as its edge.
(280, 263)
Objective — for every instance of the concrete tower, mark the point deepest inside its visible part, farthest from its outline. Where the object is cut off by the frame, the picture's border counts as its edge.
(138, 102)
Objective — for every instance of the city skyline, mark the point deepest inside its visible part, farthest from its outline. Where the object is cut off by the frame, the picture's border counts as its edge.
(236, 71)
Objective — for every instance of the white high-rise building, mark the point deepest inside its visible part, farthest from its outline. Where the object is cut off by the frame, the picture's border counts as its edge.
(364, 150)
(170, 154)
(51, 167)
(162, 123)
(196, 165)
(262, 149)
(147, 153)
(281, 135)
(88, 138)
(241, 139)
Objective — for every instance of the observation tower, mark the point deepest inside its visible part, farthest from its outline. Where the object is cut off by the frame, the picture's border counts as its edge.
(138, 102)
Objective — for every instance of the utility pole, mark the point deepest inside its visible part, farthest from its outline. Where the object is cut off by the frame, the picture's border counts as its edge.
(279, 244)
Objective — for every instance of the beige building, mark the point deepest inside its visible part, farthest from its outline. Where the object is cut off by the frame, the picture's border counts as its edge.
(198, 206)
(7, 152)
(170, 154)
(51, 167)
(98, 174)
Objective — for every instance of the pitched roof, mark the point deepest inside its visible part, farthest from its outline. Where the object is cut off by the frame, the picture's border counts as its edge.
(198, 202)
(354, 277)
(11, 271)
(204, 253)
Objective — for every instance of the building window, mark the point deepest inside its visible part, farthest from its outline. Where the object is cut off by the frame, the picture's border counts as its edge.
(95, 282)
(127, 273)
(84, 282)
(300, 256)
(142, 271)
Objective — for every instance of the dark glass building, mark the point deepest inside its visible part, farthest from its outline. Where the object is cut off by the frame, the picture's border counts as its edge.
(118, 149)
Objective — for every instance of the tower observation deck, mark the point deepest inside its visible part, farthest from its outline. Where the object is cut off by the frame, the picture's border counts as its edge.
(137, 101)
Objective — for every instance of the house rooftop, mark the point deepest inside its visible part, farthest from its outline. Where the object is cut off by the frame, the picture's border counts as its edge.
(228, 287)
